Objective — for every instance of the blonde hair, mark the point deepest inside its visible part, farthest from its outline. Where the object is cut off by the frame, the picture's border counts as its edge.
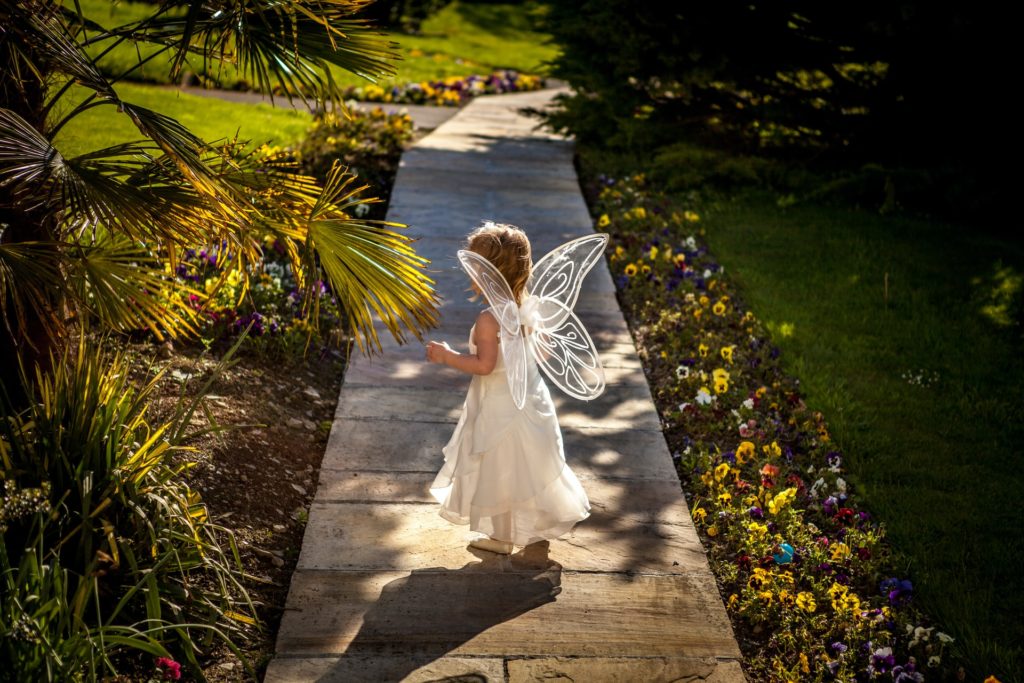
(508, 248)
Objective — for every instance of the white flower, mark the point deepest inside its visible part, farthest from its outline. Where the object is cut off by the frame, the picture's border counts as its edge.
(934, 661)
(749, 404)
(921, 633)
(943, 637)
(691, 242)
(813, 493)
(703, 397)
(683, 371)
(707, 273)
(840, 485)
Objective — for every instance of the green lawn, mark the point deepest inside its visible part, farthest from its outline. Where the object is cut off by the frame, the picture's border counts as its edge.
(460, 40)
(208, 118)
(940, 465)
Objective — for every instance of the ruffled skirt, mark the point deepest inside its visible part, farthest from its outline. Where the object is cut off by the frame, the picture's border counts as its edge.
(505, 473)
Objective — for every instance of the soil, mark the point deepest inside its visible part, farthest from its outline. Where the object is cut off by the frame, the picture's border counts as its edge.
(259, 477)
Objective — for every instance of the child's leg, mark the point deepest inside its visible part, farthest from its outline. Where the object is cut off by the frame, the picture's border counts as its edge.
(502, 527)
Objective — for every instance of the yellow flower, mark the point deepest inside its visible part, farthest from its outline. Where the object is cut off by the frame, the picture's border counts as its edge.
(721, 471)
(699, 515)
(702, 349)
(840, 552)
(712, 531)
(761, 391)
(645, 269)
(630, 270)
(718, 308)
(680, 260)
(721, 386)
(780, 501)
(744, 452)
(724, 498)
(786, 598)
(603, 222)
(772, 450)
(619, 251)
(727, 353)
(691, 216)
(765, 597)
(805, 666)
(759, 530)
(805, 601)
(704, 300)
(653, 254)
(733, 601)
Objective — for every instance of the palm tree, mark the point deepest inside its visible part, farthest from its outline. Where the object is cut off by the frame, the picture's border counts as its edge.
(97, 236)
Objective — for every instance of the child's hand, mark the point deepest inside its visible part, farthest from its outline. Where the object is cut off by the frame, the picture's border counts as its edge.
(436, 351)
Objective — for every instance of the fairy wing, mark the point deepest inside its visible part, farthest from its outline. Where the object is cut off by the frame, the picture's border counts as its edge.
(558, 276)
(513, 345)
(559, 341)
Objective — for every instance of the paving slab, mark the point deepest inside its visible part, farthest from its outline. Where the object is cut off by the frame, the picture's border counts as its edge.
(385, 588)
(491, 608)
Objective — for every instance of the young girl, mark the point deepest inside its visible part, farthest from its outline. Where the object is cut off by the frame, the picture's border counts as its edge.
(504, 473)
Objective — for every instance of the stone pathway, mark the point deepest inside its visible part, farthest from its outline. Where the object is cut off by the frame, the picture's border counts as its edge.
(387, 590)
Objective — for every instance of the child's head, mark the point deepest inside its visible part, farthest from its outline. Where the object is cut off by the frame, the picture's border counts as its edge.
(508, 248)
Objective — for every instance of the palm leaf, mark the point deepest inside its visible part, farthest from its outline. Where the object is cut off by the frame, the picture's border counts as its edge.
(287, 44)
(108, 187)
(371, 269)
(128, 288)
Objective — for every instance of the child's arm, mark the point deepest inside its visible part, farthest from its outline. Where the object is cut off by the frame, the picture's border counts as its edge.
(485, 337)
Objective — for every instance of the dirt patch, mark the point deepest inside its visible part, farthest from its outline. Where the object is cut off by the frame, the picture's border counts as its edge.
(259, 477)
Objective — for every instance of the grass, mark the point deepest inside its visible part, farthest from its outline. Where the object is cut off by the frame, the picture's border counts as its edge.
(940, 465)
(459, 40)
(208, 118)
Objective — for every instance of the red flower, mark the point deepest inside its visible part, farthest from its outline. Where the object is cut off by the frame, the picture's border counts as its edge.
(844, 515)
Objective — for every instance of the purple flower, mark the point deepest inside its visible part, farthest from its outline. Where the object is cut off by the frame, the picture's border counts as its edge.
(882, 660)
(756, 512)
(839, 647)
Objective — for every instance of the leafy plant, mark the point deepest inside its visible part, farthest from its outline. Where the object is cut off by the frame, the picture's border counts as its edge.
(105, 547)
(97, 235)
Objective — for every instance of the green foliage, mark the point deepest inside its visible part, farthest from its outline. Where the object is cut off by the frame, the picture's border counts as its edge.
(839, 88)
(107, 548)
(801, 562)
(458, 40)
(369, 143)
(894, 329)
(88, 232)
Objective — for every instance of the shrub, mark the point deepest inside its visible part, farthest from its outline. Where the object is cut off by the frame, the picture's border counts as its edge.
(105, 548)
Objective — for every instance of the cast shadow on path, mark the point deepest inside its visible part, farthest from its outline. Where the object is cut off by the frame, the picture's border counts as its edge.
(411, 628)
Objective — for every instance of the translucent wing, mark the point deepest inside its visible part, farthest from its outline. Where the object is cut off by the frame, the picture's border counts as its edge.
(568, 355)
(513, 345)
(558, 276)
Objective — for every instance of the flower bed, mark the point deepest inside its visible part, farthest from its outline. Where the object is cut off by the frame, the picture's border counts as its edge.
(806, 572)
(451, 92)
(370, 144)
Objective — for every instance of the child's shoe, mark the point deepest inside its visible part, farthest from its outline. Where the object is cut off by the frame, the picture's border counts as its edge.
(491, 545)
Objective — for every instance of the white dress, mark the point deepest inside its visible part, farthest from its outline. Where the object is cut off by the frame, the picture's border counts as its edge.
(504, 471)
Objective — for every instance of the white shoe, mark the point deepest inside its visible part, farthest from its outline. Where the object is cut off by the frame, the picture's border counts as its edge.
(491, 545)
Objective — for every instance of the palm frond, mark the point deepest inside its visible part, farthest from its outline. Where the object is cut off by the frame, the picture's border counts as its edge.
(372, 269)
(127, 287)
(31, 282)
(108, 187)
(284, 44)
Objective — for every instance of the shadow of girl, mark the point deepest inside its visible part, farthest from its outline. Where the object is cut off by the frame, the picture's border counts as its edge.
(421, 617)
